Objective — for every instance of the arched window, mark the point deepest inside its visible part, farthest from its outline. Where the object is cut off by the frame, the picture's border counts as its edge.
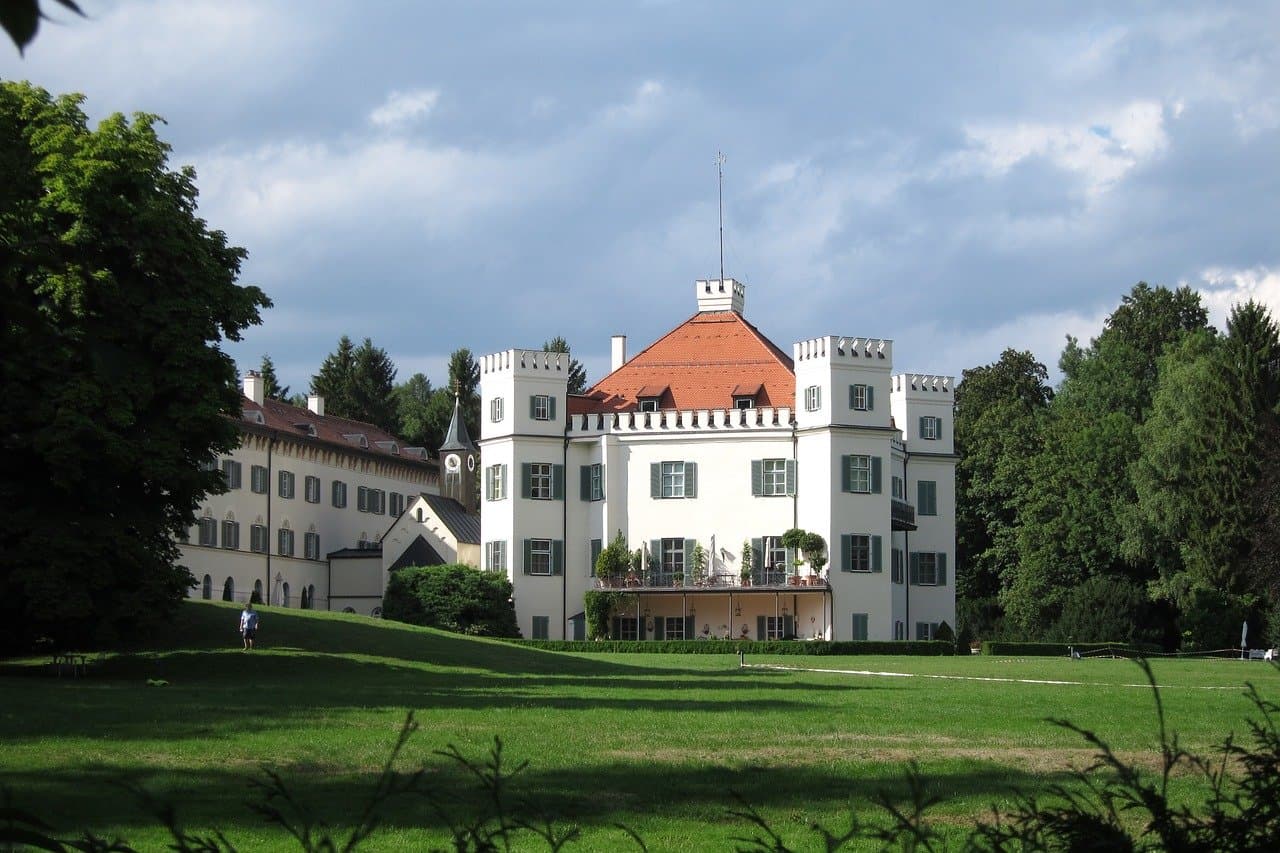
(311, 596)
(348, 610)
(285, 594)
(206, 588)
(377, 613)
(306, 600)
(257, 591)
(419, 513)
(229, 590)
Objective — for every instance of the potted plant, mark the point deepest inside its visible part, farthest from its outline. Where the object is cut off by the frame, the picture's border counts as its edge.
(613, 560)
(746, 563)
(815, 550)
(699, 563)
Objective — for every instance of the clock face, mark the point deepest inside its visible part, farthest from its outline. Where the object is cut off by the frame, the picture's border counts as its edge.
(452, 463)
(471, 463)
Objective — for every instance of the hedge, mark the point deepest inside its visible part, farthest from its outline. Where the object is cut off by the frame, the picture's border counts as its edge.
(998, 647)
(751, 647)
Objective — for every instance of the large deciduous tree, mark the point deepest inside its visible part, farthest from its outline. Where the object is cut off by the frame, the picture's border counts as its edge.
(114, 296)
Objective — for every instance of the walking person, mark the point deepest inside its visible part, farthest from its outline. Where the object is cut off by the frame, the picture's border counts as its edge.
(248, 625)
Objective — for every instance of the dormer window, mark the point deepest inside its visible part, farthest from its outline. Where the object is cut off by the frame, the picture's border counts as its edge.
(745, 394)
(357, 438)
(649, 398)
(744, 402)
(648, 404)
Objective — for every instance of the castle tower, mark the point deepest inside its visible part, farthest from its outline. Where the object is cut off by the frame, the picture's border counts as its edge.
(460, 459)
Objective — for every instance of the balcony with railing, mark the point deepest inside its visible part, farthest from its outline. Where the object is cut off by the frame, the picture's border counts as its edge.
(902, 515)
(759, 579)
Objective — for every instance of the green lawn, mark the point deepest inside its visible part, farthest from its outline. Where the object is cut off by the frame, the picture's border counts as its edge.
(656, 742)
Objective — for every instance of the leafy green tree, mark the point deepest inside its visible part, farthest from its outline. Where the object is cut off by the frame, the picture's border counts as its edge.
(270, 384)
(1000, 409)
(1079, 504)
(413, 412)
(373, 379)
(577, 373)
(1107, 609)
(335, 379)
(453, 597)
(114, 390)
(464, 380)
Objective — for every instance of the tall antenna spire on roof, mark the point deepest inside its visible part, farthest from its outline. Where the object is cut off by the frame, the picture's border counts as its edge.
(720, 186)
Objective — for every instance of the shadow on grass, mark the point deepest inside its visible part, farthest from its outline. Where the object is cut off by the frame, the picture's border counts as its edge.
(594, 797)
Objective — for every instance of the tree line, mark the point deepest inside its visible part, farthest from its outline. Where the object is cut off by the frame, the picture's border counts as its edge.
(1137, 500)
(359, 382)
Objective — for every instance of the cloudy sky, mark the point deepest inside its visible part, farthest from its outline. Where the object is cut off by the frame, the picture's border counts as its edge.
(489, 175)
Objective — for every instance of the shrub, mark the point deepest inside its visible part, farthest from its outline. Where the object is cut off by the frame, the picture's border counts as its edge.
(980, 618)
(1007, 648)
(453, 597)
(614, 560)
(1106, 608)
(751, 647)
(1212, 620)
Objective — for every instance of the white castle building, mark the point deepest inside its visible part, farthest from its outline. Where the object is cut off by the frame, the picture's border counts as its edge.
(319, 509)
(712, 443)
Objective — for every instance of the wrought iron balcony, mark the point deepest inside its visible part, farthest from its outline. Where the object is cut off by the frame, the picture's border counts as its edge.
(759, 579)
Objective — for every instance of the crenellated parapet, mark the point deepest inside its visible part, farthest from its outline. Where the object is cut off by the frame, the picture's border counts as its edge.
(924, 384)
(529, 362)
(838, 348)
(694, 421)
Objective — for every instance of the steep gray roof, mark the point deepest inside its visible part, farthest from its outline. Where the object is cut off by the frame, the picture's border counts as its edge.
(457, 438)
(465, 526)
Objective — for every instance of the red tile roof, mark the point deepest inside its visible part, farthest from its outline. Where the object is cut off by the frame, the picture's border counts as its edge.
(295, 421)
(701, 363)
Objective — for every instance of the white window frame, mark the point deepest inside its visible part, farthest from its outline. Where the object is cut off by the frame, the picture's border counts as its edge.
(339, 494)
(208, 534)
(231, 473)
(542, 407)
(673, 628)
(774, 627)
(497, 482)
(674, 559)
(231, 535)
(259, 481)
(539, 549)
(859, 397)
(541, 481)
(258, 538)
(744, 402)
(931, 557)
(284, 542)
(813, 398)
(773, 477)
(775, 554)
(495, 555)
(311, 545)
(496, 410)
(647, 404)
(397, 504)
(860, 474)
(311, 489)
(859, 552)
(898, 487)
(286, 484)
(931, 428)
(596, 481)
(673, 480)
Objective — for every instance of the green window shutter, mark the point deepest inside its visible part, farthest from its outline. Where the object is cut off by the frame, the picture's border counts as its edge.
(596, 547)
(689, 545)
(655, 552)
(871, 397)
(655, 479)
(557, 482)
(616, 628)
(757, 477)
(846, 552)
(688, 628)
(691, 479)
(788, 626)
(791, 560)
(551, 408)
(875, 475)
(584, 482)
(557, 556)
(913, 575)
(875, 554)
(922, 420)
(942, 569)
(526, 479)
(921, 498)
(533, 405)
(757, 556)
(502, 479)
(488, 484)
(659, 627)
(846, 463)
(791, 476)
(760, 632)
(528, 555)
(853, 395)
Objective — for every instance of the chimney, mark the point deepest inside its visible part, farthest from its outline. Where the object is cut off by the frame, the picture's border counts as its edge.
(316, 404)
(721, 295)
(619, 352)
(254, 387)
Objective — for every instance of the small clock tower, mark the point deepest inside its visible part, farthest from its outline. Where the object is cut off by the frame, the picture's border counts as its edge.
(460, 459)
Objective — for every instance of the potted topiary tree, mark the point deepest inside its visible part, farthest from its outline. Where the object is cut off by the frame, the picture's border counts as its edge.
(792, 541)
(699, 564)
(746, 563)
(815, 551)
(613, 561)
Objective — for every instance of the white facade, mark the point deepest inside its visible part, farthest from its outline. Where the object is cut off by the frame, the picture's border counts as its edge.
(858, 454)
(302, 486)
